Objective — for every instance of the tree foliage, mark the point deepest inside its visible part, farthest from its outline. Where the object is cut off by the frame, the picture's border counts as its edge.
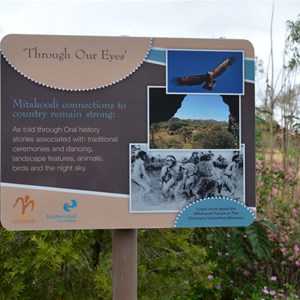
(54, 265)
(292, 47)
(172, 267)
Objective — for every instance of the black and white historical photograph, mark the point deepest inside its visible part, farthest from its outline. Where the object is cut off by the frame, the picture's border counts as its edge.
(167, 181)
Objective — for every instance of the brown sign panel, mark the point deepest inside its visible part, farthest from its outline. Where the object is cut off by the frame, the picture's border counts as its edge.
(126, 132)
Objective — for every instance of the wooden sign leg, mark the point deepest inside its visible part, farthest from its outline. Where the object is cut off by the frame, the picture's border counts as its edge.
(124, 264)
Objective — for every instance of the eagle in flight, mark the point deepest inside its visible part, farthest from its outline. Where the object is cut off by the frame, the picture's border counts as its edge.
(207, 80)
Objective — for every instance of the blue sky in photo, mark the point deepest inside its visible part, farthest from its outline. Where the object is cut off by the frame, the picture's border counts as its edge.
(203, 107)
(187, 63)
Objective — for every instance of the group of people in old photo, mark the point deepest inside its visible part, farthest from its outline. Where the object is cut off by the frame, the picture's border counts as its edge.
(168, 181)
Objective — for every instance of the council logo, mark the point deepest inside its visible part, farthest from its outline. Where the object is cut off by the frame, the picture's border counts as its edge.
(69, 206)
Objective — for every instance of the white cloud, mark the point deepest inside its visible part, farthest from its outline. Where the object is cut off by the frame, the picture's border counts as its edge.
(244, 19)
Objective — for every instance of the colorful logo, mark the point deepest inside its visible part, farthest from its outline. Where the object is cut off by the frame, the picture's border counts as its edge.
(65, 217)
(26, 206)
(25, 203)
(69, 206)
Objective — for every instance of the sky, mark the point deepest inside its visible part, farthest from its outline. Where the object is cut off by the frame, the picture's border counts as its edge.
(203, 107)
(241, 19)
(193, 62)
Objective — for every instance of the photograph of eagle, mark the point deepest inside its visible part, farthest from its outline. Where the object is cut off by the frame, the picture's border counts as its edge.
(207, 80)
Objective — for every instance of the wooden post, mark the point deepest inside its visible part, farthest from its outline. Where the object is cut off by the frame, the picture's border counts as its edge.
(124, 264)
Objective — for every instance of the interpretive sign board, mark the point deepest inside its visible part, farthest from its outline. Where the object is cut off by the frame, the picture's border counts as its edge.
(126, 132)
